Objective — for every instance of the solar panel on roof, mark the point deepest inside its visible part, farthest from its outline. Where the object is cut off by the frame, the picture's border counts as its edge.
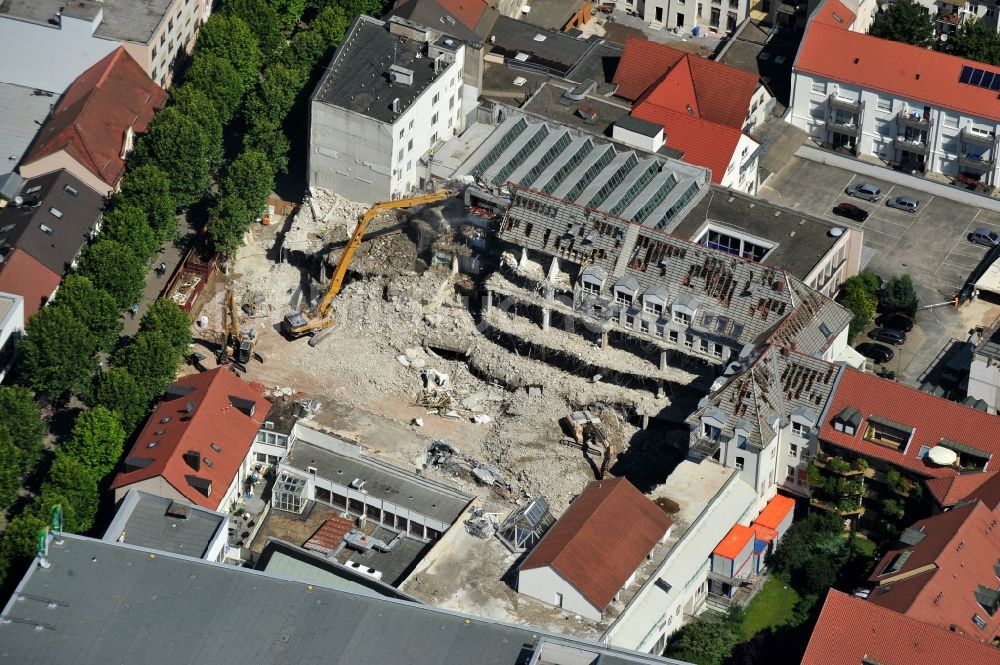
(996, 82)
(977, 77)
(966, 75)
(987, 80)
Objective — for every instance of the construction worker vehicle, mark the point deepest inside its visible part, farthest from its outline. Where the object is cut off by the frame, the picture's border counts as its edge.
(298, 324)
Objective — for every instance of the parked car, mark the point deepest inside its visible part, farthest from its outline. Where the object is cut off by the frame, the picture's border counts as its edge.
(895, 321)
(865, 190)
(850, 211)
(888, 335)
(907, 203)
(880, 353)
(986, 237)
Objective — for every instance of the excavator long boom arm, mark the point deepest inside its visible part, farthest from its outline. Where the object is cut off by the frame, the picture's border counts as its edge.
(337, 281)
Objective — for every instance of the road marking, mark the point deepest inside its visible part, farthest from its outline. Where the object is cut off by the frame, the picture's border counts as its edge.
(960, 266)
(976, 216)
(890, 221)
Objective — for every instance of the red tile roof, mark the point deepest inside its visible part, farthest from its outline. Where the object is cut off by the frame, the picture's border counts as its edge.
(216, 421)
(642, 64)
(950, 490)
(601, 539)
(988, 492)
(734, 542)
(776, 510)
(832, 10)
(23, 275)
(92, 118)
(932, 419)
(850, 629)
(937, 581)
(899, 69)
(467, 12)
(674, 79)
(703, 143)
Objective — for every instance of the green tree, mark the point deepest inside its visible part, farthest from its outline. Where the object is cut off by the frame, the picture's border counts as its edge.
(165, 317)
(127, 224)
(97, 440)
(72, 483)
(264, 20)
(151, 360)
(21, 417)
(58, 354)
(229, 38)
(10, 470)
(900, 295)
(976, 40)
(862, 305)
(149, 187)
(326, 31)
(905, 21)
(20, 537)
(94, 307)
(221, 83)
(705, 641)
(118, 391)
(194, 103)
(178, 145)
(249, 178)
(230, 219)
(112, 266)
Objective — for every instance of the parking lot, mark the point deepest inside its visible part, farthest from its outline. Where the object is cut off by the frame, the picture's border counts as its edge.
(930, 245)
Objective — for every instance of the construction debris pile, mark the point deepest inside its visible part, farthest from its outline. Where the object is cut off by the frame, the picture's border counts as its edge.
(446, 458)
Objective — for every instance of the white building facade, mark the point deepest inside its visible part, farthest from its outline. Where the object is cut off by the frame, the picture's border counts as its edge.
(374, 124)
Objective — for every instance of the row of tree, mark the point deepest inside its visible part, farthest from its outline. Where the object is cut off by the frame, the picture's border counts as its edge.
(864, 295)
(910, 22)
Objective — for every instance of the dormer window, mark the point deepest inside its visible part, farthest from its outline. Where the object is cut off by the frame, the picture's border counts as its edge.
(625, 290)
(684, 309)
(847, 421)
(682, 317)
(592, 280)
(888, 433)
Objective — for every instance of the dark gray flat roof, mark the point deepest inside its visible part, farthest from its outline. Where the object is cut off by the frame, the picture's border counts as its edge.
(382, 480)
(70, 218)
(548, 102)
(639, 126)
(598, 64)
(358, 77)
(125, 20)
(550, 14)
(111, 603)
(798, 254)
(144, 521)
(557, 53)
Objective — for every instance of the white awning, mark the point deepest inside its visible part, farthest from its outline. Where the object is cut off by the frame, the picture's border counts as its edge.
(850, 357)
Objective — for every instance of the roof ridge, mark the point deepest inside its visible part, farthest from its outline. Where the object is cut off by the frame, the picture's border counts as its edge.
(616, 483)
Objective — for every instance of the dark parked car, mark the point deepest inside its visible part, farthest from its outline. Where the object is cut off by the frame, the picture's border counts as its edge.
(895, 322)
(906, 203)
(986, 237)
(880, 353)
(850, 211)
(888, 335)
(865, 190)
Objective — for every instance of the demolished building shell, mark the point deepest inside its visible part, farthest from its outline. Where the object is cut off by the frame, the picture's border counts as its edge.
(667, 300)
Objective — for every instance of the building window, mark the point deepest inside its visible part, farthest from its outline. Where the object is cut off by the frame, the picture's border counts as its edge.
(652, 307)
(740, 461)
(979, 621)
(451, 102)
(710, 432)
(590, 287)
(688, 340)
(437, 96)
(883, 104)
(950, 121)
(644, 326)
(818, 87)
(789, 473)
(717, 350)
(434, 119)
(886, 435)
(703, 345)
(623, 298)
(793, 450)
(673, 336)
(409, 146)
(629, 321)
(799, 429)
(681, 317)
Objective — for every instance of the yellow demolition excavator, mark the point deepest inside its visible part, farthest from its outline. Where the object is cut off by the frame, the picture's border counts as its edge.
(297, 324)
(238, 343)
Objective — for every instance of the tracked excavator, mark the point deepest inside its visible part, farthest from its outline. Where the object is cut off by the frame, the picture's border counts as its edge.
(238, 343)
(298, 324)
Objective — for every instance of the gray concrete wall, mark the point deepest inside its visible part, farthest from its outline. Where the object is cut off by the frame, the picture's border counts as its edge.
(350, 154)
(545, 583)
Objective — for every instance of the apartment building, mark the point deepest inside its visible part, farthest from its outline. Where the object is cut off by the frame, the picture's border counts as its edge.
(893, 103)
(393, 92)
(82, 32)
(684, 15)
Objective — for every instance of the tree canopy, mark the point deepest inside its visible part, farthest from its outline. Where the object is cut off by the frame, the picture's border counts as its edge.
(178, 145)
(148, 186)
(58, 354)
(114, 267)
(707, 640)
(127, 224)
(21, 417)
(221, 82)
(194, 103)
(97, 440)
(10, 470)
(900, 295)
(72, 483)
(905, 21)
(166, 318)
(977, 41)
(265, 21)
(230, 219)
(858, 294)
(151, 360)
(229, 38)
(118, 391)
(94, 307)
